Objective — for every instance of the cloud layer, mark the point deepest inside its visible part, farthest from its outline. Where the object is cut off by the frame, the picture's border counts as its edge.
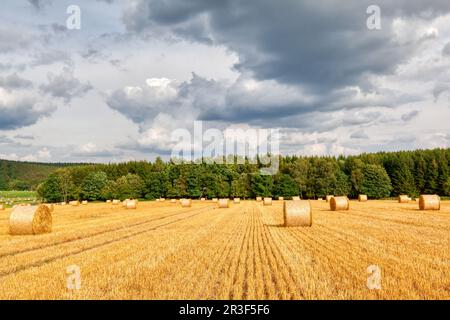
(139, 70)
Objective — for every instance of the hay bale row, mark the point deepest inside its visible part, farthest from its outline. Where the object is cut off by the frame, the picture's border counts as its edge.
(339, 203)
(267, 201)
(297, 213)
(30, 220)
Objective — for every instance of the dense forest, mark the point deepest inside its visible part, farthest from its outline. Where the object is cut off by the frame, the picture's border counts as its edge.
(378, 175)
(25, 176)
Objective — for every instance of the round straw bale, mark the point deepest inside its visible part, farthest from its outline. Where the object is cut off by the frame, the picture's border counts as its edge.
(108, 201)
(2, 207)
(328, 197)
(280, 198)
(173, 200)
(162, 199)
(267, 201)
(429, 202)
(320, 199)
(186, 203)
(224, 203)
(124, 202)
(63, 203)
(30, 220)
(296, 198)
(362, 198)
(131, 204)
(84, 202)
(259, 199)
(237, 200)
(74, 203)
(115, 202)
(202, 199)
(215, 199)
(297, 213)
(403, 198)
(50, 207)
(339, 203)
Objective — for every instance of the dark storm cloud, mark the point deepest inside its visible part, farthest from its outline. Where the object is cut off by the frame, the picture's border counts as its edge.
(410, 115)
(14, 81)
(359, 135)
(259, 103)
(44, 58)
(65, 85)
(22, 112)
(97, 154)
(446, 50)
(23, 137)
(319, 45)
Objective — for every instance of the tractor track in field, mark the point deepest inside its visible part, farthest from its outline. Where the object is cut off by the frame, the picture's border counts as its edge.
(278, 258)
(96, 246)
(327, 243)
(231, 294)
(98, 233)
(221, 260)
(387, 219)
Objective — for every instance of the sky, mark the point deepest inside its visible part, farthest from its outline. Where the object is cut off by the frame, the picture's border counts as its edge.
(116, 88)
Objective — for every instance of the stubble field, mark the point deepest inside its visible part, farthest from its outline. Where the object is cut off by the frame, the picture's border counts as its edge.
(163, 251)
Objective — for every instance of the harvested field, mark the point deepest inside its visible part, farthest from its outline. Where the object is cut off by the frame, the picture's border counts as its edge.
(162, 251)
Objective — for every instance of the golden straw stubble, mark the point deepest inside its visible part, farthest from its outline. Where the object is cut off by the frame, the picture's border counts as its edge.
(429, 202)
(30, 220)
(297, 213)
(339, 203)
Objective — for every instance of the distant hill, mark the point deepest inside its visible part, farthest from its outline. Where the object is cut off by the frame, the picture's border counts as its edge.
(16, 175)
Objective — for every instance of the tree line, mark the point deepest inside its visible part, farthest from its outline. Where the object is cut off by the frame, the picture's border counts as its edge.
(379, 175)
(25, 176)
